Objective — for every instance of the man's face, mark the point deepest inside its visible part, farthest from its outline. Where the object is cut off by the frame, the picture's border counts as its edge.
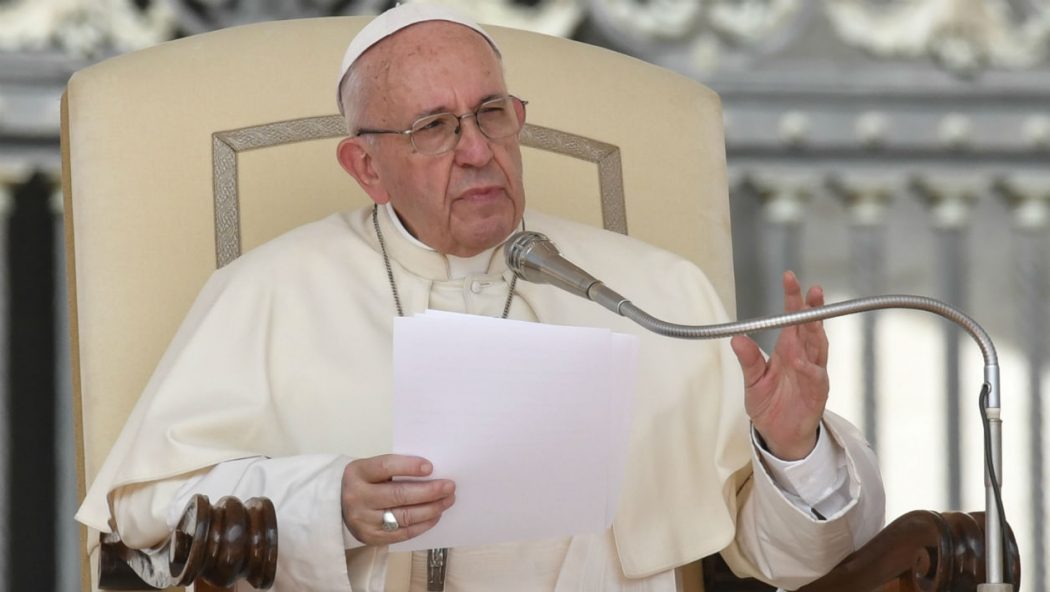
(460, 202)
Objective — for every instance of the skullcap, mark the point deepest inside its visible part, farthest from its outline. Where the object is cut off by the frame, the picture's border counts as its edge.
(392, 21)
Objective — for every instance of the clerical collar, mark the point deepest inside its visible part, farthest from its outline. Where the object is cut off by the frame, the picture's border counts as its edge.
(458, 267)
(429, 253)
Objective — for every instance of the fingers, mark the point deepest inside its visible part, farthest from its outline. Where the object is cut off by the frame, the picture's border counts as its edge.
(365, 521)
(410, 519)
(404, 533)
(368, 491)
(811, 335)
(387, 466)
(752, 363)
(792, 292)
(815, 296)
(398, 494)
(420, 513)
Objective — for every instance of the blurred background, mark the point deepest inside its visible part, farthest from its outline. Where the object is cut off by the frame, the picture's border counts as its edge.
(874, 146)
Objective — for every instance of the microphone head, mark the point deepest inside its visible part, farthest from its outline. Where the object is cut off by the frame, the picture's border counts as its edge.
(534, 258)
(520, 245)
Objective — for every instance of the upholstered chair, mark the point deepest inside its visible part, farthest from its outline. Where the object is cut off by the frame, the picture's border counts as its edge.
(180, 157)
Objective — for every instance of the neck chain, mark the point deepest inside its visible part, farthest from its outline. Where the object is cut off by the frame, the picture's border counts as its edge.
(393, 284)
(437, 559)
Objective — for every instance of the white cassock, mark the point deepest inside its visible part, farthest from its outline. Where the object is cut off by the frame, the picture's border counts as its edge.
(281, 374)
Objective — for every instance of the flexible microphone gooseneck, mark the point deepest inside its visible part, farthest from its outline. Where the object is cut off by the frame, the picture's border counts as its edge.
(534, 258)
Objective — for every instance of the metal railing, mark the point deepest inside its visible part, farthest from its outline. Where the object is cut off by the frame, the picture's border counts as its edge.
(851, 237)
(981, 246)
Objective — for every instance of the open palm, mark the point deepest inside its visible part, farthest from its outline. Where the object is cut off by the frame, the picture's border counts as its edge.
(786, 394)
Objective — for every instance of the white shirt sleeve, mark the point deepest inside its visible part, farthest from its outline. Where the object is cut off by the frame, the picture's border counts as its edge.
(778, 531)
(305, 491)
(818, 483)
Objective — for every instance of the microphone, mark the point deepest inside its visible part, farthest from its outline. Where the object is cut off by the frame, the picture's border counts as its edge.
(534, 258)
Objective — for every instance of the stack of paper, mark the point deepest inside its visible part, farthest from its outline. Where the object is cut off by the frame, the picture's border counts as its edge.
(531, 421)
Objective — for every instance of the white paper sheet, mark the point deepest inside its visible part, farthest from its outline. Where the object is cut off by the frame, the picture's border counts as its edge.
(531, 421)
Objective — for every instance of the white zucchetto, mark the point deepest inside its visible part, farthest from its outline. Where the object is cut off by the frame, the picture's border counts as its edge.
(392, 21)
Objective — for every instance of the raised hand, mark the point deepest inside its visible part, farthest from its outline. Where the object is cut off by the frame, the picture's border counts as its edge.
(786, 394)
(368, 491)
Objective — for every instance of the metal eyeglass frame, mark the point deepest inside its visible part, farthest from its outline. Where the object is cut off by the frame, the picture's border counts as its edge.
(457, 132)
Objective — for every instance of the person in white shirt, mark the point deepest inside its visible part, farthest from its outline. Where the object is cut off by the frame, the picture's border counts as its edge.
(278, 382)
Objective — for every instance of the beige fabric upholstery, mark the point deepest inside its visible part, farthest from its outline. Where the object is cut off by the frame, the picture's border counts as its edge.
(137, 146)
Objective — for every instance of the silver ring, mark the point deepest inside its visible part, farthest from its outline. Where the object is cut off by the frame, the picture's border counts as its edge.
(390, 521)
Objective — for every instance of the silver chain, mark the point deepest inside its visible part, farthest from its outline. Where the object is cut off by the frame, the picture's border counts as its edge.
(386, 261)
(393, 284)
(437, 559)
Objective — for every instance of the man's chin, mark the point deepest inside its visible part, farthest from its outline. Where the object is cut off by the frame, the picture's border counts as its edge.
(485, 236)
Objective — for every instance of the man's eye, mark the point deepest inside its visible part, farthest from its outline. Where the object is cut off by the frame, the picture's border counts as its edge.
(431, 125)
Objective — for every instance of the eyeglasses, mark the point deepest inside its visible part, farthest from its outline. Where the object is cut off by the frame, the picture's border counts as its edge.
(439, 133)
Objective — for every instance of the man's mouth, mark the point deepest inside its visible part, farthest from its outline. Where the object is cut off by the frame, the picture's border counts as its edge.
(482, 194)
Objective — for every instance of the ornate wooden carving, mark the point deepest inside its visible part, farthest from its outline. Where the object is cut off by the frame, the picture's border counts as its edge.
(215, 546)
(919, 552)
(212, 547)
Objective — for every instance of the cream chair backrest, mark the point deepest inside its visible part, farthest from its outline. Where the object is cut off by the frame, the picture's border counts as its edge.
(179, 157)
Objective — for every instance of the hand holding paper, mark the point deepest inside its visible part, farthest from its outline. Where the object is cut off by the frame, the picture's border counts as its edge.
(530, 421)
(367, 491)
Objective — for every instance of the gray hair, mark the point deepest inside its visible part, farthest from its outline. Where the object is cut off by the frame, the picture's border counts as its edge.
(353, 97)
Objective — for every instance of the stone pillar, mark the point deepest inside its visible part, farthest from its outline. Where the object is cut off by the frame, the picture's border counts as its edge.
(1029, 200)
(784, 198)
(951, 203)
(867, 202)
(9, 178)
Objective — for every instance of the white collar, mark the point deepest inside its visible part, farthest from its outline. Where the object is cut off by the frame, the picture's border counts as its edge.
(458, 267)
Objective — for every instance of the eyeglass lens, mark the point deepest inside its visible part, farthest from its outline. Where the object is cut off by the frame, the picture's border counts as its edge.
(496, 119)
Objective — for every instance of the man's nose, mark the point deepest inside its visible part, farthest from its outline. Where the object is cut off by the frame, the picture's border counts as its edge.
(473, 148)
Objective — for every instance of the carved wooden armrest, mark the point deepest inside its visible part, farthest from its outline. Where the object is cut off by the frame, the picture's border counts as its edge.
(212, 547)
(921, 550)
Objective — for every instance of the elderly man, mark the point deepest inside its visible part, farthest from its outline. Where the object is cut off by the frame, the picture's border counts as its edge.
(279, 382)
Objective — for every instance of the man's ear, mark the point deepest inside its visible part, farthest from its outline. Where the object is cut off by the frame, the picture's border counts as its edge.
(356, 159)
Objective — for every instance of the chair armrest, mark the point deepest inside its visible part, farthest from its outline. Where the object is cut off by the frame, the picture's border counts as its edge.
(921, 550)
(212, 547)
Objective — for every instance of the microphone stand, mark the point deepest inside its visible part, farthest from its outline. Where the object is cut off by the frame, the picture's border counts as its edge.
(549, 267)
(993, 467)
